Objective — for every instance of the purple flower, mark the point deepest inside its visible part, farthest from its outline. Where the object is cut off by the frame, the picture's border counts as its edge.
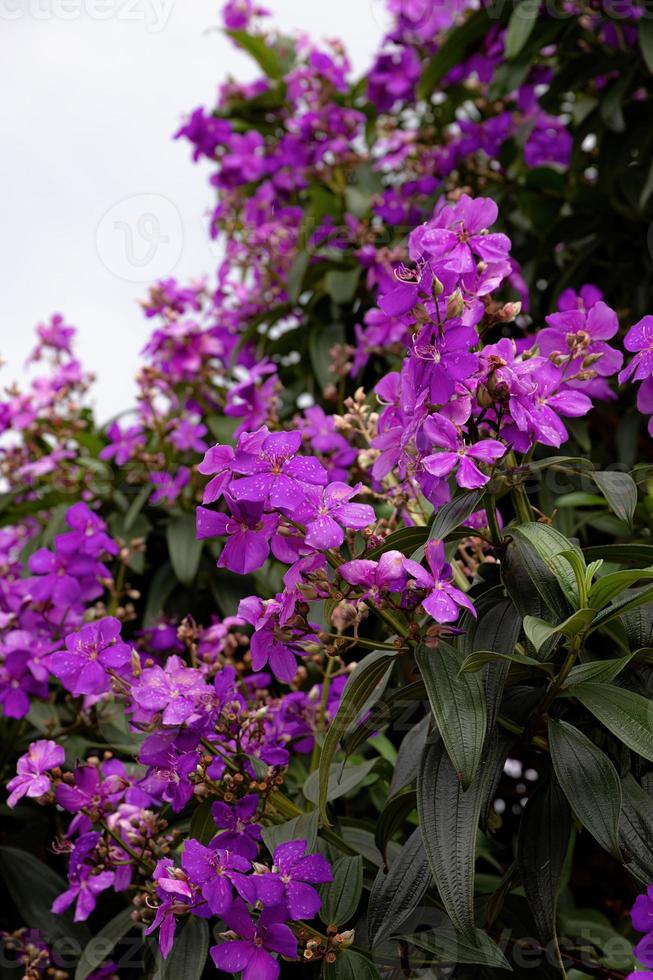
(175, 893)
(240, 834)
(443, 599)
(30, 779)
(330, 512)
(252, 953)
(169, 486)
(276, 474)
(88, 535)
(217, 872)
(186, 436)
(174, 690)
(248, 532)
(639, 340)
(385, 575)
(579, 335)
(217, 460)
(458, 456)
(83, 668)
(271, 642)
(85, 886)
(642, 918)
(123, 444)
(457, 236)
(288, 882)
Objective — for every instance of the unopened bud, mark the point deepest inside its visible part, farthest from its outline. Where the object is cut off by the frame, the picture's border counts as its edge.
(455, 306)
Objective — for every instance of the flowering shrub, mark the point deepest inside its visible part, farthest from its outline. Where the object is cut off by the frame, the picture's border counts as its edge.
(336, 650)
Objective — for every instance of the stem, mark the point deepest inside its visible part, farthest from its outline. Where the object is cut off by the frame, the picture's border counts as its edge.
(492, 519)
(326, 684)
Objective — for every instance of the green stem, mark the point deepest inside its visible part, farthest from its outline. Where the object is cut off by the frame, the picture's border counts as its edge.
(326, 684)
(493, 520)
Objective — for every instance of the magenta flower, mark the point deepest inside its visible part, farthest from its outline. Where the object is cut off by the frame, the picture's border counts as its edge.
(291, 879)
(330, 512)
(217, 462)
(252, 954)
(248, 532)
(276, 474)
(444, 599)
(639, 340)
(176, 896)
(458, 456)
(217, 872)
(577, 334)
(83, 667)
(84, 889)
(31, 779)
(186, 436)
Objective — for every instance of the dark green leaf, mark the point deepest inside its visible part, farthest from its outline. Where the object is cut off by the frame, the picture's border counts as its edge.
(458, 705)
(406, 540)
(590, 783)
(350, 965)
(393, 816)
(610, 585)
(452, 515)
(184, 548)
(452, 51)
(188, 955)
(520, 26)
(538, 631)
(33, 886)
(620, 491)
(103, 942)
(544, 832)
(260, 50)
(341, 896)
(603, 671)
(410, 751)
(202, 824)
(449, 819)
(320, 342)
(341, 284)
(479, 659)
(645, 31)
(627, 715)
(369, 674)
(636, 829)
(341, 779)
(394, 895)
(550, 545)
(302, 827)
(448, 947)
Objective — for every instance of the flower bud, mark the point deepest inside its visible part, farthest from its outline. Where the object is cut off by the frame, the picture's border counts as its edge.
(455, 306)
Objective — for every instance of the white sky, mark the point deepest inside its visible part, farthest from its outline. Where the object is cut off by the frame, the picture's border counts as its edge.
(91, 93)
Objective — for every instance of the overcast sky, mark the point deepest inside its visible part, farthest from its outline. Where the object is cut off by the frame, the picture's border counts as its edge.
(98, 200)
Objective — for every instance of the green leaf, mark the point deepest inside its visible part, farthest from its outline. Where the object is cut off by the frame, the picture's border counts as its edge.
(544, 832)
(520, 26)
(458, 705)
(103, 942)
(187, 957)
(627, 715)
(302, 827)
(610, 585)
(620, 491)
(532, 586)
(621, 552)
(590, 783)
(447, 947)
(373, 671)
(295, 280)
(452, 51)
(184, 548)
(603, 671)
(538, 632)
(394, 895)
(453, 514)
(449, 819)
(33, 886)
(350, 965)
(410, 751)
(342, 779)
(631, 599)
(259, 48)
(475, 661)
(341, 896)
